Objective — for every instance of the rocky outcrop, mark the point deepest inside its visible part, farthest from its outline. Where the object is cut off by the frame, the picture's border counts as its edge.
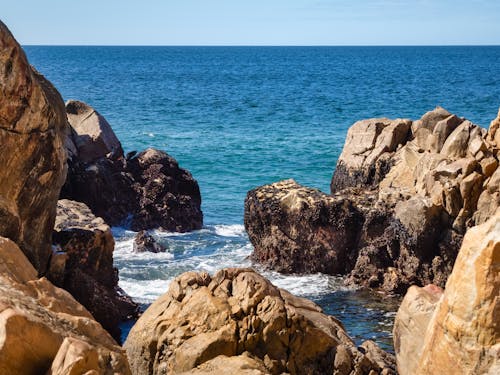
(403, 195)
(238, 319)
(83, 265)
(43, 330)
(32, 130)
(456, 331)
(144, 241)
(144, 191)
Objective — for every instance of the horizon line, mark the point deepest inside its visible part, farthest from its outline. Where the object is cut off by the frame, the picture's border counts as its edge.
(260, 45)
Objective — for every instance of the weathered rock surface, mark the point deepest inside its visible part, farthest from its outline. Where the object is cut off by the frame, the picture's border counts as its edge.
(32, 130)
(144, 241)
(456, 331)
(43, 330)
(144, 191)
(237, 313)
(403, 195)
(83, 265)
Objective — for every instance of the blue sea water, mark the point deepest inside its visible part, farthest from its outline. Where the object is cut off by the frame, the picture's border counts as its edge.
(240, 117)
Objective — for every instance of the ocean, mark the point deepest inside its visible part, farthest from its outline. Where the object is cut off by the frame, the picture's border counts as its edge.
(240, 117)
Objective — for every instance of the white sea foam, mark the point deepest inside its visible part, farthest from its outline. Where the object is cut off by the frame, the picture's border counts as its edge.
(235, 230)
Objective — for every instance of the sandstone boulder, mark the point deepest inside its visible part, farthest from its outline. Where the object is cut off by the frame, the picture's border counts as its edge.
(32, 130)
(144, 191)
(83, 265)
(92, 134)
(43, 330)
(462, 334)
(237, 311)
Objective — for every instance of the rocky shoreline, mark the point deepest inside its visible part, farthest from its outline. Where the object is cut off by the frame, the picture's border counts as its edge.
(60, 304)
(403, 195)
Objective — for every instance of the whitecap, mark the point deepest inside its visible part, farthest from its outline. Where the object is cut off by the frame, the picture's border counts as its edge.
(234, 230)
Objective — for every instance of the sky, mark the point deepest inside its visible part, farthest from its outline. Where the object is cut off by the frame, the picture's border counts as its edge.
(254, 22)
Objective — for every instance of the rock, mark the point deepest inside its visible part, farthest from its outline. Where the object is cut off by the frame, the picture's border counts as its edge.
(169, 196)
(32, 119)
(223, 365)
(143, 191)
(238, 311)
(398, 209)
(44, 330)
(86, 271)
(361, 163)
(297, 229)
(462, 334)
(411, 324)
(93, 136)
(144, 241)
(494, 132)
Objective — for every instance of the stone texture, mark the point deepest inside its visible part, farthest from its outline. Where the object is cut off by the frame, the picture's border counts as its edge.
(44, 330)
(238, 311)
(223, 365)
(403, 195)
(144, 241)
(411, 323)
(83, 265)
(462, 333)
(32, 129)
(144, 191)
(92, 134)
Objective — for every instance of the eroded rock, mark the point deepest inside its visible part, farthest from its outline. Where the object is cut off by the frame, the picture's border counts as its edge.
(32, 131)
(238, 311)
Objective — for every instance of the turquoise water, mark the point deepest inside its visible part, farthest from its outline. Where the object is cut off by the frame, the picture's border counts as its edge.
(239, 117)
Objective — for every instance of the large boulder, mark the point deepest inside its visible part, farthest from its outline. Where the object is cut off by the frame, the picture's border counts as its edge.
(457, 331)
(402, 197)
(32, 131)
(241, 316)
(43, 330)
(83, 265)
(144, 191)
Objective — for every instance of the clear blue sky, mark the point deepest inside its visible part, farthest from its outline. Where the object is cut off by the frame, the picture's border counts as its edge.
(254, 22)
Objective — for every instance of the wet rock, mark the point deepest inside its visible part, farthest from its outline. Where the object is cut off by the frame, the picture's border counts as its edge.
(462, 331)
(401, 202)
(238, 311)
(44, 330)
(143, 191)
(32, 131)
(84, 265)
(144, 241)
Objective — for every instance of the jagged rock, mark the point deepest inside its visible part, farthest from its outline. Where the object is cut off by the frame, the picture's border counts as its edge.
(494, 132)
(144, 191)
(44, 330)
(222, 365)
(92, 134)
(32, 130)
(144, 241)
(297, 229)
(362, 162)
(405, 206)
(236, 311)
(459, 333)
(84, 265)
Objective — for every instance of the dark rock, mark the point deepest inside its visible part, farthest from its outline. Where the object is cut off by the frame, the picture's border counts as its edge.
(142, 191)
(401, 202)
(32, 131)
(84, 265)
(146, 242)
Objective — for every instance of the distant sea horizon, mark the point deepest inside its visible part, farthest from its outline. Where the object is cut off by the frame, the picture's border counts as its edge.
(238, 117)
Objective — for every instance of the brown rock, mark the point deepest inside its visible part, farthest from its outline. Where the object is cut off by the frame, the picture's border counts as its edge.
(143, 191)
(462, 334)
(86, 245)
(144, 241)
(32, 119)
(494, 132)
(457, 143)
(236, 311)
(223, 365)
(411, 324)
(44, 330)
(92, 134)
